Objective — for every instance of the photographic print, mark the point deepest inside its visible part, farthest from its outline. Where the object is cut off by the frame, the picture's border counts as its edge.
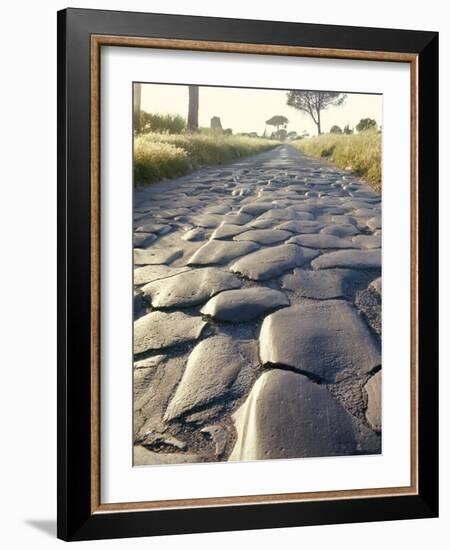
(257, 273)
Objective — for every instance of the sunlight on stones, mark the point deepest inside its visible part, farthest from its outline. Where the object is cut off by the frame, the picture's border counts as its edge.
(221, 252)
(353, 259)
(158, 330)
(239, 306)
(218, 367)
(189, 288)
(325, 339)
(288, 416)
(321, 285)
(271, 262)
(373, 389)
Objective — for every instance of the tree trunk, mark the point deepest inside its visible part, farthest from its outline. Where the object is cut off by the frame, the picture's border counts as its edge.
(319, 130)
(137, 108)
(192, 122)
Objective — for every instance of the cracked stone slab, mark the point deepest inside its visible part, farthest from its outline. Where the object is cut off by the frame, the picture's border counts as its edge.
(288, 416)
(239, 306)
(373, 412)
(237, 218)
(321, 285)
(367, 241)
(271, 262)
(321, 241)
(145, 457)
(286, 214)
(221, 252)
(207, 220)
(326, 339)
(353, 259)
(217, 367)
(189, 288)
(158, 330)
(264, 236)
(149, 273)
(156, 256)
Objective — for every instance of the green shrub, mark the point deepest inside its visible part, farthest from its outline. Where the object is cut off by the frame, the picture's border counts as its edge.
(361, 153)
(155, 122)
(160, 156)
(335, 129)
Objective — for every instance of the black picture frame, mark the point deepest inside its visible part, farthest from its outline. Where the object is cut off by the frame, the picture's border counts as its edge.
(76, 519)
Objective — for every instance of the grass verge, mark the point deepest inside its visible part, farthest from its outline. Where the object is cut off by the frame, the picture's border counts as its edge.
(361, 153)
(161, 156)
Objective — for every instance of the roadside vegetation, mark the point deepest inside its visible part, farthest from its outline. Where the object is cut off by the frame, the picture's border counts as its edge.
(359, 153)
(159, 156)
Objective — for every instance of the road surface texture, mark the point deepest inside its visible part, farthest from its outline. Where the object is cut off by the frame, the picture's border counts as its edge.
(257, 309)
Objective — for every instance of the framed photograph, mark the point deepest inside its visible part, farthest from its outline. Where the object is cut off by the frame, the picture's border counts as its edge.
(247, 274)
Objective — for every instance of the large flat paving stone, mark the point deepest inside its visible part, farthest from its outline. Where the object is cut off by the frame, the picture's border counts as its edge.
(271, 262)
(217, 368)
(373, 412)
(156, 256)
(321, 241)
(264, 236)
(189, 288)
(321, 285)
(158, 330)
(288, 416)
(149, 273)
(326, 339)
(353, 259)
(239, 306)
(221, 252)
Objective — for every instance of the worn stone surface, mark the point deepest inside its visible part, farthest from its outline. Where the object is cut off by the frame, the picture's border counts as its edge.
(215, 369)
(264, 236)
(376, 285)
(149, 273)
(353, 259)
(321, 241)
(158, 330)
(185, 393)
(271, 262)
(321, 285)
(288, 416)
(325, 339)
(238, 306)
(221, 252)
(373, 389)
(189, 288)
(155, 256)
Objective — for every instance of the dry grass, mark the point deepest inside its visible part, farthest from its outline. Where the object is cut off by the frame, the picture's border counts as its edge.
(161, 156)
(361, 153)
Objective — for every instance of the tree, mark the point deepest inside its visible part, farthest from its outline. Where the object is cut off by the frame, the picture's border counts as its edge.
(192, 123)
(366, 124)
(292, 135)
(137, 108)
(278, 120)
(335, 129)
(347, 130)
(313, 103)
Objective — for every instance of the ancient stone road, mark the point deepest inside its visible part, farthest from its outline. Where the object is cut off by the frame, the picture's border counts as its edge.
(257, 313)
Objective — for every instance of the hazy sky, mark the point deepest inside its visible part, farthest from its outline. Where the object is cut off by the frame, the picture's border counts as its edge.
(246, 110)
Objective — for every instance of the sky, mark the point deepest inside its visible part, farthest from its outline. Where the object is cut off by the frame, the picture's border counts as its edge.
(246, 109)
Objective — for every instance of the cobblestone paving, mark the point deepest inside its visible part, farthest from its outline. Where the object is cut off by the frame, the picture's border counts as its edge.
(257, 309)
